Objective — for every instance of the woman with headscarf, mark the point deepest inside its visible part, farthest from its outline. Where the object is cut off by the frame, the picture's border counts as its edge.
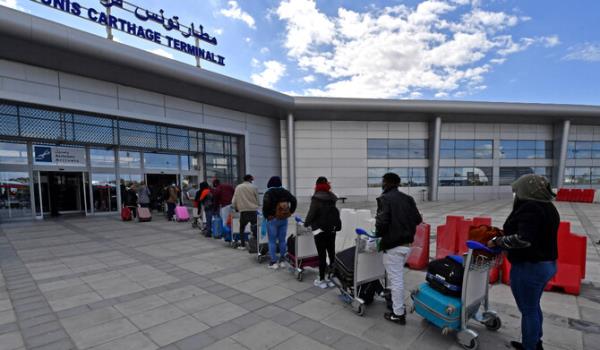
(530, 237)
(278, 205)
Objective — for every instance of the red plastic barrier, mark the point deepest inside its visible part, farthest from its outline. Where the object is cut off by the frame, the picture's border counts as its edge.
(419, 253)
(505, 267)
(445, 242)
(580, 195)
(494, 275)
(562, 194)
(572, 251)
(480, 220)
(462, 235)
(589, 195)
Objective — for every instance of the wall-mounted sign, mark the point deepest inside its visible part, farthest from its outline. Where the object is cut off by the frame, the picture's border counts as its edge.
(55, 155)
(102, 17)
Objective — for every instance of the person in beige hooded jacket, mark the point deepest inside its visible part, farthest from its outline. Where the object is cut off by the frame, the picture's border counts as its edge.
(246, 202)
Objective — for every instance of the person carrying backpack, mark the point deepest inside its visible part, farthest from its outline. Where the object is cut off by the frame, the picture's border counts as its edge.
(324, 219)
(396, 223)
(278, 205)
(204, 198)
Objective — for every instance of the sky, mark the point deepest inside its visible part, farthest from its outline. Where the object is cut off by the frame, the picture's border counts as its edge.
(542, 51)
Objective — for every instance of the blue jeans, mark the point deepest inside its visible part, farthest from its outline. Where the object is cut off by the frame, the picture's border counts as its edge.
(209, 214)
(277, 231)
(527, 281)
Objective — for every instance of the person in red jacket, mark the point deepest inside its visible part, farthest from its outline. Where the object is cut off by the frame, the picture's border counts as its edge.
(222, 197)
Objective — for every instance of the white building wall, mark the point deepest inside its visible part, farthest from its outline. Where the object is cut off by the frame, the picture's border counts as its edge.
(21, 82)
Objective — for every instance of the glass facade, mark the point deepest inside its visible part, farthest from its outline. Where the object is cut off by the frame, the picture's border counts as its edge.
(583, 150)
(525, 149)
(467, 149)
(409, 177)
(509, 174)
(15, 199)
(466, 176)
(397, 149)
(167, 153)
(582, 176)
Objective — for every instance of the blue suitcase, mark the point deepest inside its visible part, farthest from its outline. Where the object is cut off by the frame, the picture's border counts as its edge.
(437, 308)
(217, 227)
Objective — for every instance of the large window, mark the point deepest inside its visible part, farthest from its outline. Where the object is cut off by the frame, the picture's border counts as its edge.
(466, 176)
(509, 174)
(15, 200)
(396, 149)
(102, 158)
(583, 150)
(130, 159)
(13, 153)
(221, 158)
(467, 149)
(104, 188)
(582, 176)
(409, 177)
(525, 149)
(160, 161)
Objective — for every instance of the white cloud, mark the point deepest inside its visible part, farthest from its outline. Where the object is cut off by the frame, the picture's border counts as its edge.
(218, 31)
(162, 52)
(551, 41)
(309, 79)
(272, 73)
(264, 50)
(12, 4)
(440, 46)
(588, 52)
(255, 63)
(248, 39)
(234, 11)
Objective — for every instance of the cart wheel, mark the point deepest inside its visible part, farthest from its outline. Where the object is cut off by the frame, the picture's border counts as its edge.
(473, 345)
(360, 311)
(299, 276)
(494, 324)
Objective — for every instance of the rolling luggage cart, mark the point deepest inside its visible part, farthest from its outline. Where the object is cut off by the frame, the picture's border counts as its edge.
(354, 269)
(305, 251)
(473, 303)
(262, 239)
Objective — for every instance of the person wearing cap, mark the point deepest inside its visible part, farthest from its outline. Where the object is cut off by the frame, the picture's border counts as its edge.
(531, 239)
(245, 201)
(324, 220)
(278, 205)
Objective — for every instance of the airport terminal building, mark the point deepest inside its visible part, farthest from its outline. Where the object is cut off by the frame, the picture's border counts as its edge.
(82, 118)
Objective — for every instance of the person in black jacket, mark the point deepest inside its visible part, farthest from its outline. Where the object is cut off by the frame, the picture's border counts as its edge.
(530, 236)
(278, 205)
(396, 223)
(324, 219)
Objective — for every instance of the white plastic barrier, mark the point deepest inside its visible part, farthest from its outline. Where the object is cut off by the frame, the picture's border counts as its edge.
(345, 237)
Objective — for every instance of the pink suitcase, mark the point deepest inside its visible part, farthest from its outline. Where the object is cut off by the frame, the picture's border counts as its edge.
(181, 213)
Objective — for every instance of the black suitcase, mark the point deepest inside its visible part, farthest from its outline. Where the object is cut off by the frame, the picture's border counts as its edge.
(344, 264)
(446, 275)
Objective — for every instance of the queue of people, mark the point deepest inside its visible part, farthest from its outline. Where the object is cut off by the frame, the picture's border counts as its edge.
(530, 233)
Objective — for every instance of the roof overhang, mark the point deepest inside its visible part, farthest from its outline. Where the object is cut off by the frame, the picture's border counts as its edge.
(40, 42)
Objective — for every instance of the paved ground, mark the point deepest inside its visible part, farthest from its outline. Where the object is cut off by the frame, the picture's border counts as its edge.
(99, 283)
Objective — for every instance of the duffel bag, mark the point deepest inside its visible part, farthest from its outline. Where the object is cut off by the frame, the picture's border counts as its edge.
(446, 275)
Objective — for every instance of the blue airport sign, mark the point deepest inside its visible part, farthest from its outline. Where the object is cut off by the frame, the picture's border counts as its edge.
(102, 17)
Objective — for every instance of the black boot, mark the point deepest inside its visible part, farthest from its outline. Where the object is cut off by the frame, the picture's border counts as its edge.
(519, 346)
(392, 317)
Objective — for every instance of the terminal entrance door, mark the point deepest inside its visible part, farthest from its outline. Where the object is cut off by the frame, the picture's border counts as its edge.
(60, 193)
(157, 183)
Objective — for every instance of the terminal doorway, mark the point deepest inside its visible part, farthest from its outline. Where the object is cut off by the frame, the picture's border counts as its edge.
(157, 184)
(61, 193)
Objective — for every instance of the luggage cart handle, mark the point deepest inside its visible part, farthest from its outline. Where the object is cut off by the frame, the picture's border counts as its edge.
(298, 219)
(363, 232)
(479, 246)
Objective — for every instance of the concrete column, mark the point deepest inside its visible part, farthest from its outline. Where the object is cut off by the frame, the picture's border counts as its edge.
(434, 158)
(291, 154)
(562, 160)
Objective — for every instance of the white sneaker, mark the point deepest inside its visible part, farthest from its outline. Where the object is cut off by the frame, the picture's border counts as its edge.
(241, 248)
(320, 283)
(283, 264)
(330, 284)
(274, 266)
